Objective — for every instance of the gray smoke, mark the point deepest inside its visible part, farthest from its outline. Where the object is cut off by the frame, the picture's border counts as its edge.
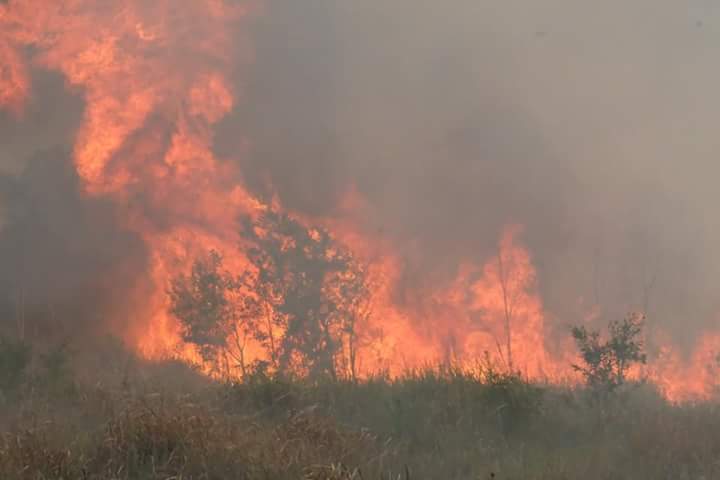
(67, 268)
(591, 124)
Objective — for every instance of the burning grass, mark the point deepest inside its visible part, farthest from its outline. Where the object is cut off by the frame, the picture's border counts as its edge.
(135, 420)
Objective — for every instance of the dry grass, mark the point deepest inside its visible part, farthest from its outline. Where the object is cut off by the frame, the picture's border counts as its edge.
(164, 421)
(154, 437)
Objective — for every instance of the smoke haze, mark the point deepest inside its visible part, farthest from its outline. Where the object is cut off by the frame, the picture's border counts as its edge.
(591, 125)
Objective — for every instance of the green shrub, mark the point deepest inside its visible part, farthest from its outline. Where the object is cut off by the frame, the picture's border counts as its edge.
(606, 362)
(15, 358)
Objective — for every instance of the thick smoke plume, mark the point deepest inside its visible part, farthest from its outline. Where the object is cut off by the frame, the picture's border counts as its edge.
(591, 126)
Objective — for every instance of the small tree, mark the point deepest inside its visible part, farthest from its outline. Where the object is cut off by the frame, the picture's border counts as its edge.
(350, 292)
(301, 300)
(606, 363)
(307, 293)
(201, 303)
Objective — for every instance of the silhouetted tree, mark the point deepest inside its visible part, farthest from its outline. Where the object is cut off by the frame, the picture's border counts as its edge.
(301, 300)
(306, 290)
(350, 292)
(606, 363)
(202, 304)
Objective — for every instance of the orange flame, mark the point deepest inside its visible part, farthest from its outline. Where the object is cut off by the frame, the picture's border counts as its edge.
(155, 79)
(14, 83)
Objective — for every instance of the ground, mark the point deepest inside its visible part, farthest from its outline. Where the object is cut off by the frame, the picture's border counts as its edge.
(109, 415)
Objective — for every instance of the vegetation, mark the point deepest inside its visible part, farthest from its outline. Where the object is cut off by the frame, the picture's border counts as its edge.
(304, 414)
(606, 362)
(14, 360)
(300, 301)
(201, 302)
(137, 420)
(305, 278)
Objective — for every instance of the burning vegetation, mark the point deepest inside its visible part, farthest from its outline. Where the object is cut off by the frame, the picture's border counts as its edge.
(294, 329)
(235, 280)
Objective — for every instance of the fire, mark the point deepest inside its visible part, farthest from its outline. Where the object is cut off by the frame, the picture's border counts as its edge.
(14, 83)
(491, 310)
(155, 77)
(687, 379)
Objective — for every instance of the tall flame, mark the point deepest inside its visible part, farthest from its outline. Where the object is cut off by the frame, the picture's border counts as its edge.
(155, 77)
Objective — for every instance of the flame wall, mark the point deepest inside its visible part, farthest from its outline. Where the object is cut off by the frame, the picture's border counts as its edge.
(418, 133)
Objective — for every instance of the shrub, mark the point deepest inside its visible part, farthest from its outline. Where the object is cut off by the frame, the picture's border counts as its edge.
(15, 358)
(606, 363)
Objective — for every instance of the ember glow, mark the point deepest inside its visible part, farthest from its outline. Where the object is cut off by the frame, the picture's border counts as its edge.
(155, 77)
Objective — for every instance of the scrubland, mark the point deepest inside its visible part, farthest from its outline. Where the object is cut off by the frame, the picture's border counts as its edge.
(102, 413)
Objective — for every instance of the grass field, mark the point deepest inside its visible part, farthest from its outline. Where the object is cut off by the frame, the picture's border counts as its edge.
(107, 415)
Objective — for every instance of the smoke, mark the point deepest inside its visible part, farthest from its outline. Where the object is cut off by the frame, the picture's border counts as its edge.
(50, 118)
(67, 268)
(590, 125)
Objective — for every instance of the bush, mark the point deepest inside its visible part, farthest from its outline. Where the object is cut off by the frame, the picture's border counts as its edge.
(15, 358)
(606, 363)
(267, 392)
(56, 373)
(515, 400)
